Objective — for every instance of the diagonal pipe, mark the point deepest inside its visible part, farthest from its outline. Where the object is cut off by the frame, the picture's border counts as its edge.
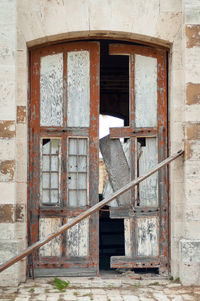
(88, 212)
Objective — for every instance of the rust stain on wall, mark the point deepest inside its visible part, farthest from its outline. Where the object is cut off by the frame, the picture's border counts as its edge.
(192, 93)
(6, 213)
(7, 129)
(193, 35)
(193, 131)
(21, 114)
(7, 170)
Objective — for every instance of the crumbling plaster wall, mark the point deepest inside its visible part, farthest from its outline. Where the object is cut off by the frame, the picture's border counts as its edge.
(28, 23)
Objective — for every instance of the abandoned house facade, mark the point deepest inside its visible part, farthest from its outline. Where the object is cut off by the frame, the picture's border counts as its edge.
(64, 63)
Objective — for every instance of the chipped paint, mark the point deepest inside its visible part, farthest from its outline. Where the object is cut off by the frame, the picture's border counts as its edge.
(78, 79)
(48, 226)
(51, 90)
(147, 236)
(78, 239)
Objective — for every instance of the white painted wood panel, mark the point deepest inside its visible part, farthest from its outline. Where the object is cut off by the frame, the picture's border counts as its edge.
(78, 239)
(147, 236)
(108, 188)
(148, 157)
(127, 236)
(116, 166)
(51, 90)
(78, 89)
(145, 91)
(107, 191)
(47, 226)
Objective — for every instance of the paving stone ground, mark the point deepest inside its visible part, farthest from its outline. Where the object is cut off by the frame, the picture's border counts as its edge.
(104, 288)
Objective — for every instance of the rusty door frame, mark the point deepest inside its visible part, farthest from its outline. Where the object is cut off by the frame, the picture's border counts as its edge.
(161, 261)
(36, 132)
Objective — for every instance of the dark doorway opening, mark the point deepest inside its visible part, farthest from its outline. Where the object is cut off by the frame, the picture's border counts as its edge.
(114, 84)
(111, 234)
(114, 102)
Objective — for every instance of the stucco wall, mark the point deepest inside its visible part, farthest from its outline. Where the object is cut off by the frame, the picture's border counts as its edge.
(27, 23)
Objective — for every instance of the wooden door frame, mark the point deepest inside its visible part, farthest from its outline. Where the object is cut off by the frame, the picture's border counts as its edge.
(162, 154)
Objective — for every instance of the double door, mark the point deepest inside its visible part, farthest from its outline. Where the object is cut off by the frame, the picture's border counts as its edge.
(64, 158)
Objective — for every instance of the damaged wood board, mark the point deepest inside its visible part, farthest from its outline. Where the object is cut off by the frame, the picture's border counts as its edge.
(108, 188)
(116, 166)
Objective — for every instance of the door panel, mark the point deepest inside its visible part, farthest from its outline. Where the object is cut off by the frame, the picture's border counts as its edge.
(48, 225)
(51, 90)
(144, 143)
(147, 236)
(145, 91)
(63, 172)
(78, 87)
(147, 157)
(77, 239)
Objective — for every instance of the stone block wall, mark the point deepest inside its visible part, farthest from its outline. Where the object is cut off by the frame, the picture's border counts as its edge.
(190, 244)
(12, 211)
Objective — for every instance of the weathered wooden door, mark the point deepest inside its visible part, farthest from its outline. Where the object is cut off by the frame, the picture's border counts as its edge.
(145, 209)
(64, 156)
